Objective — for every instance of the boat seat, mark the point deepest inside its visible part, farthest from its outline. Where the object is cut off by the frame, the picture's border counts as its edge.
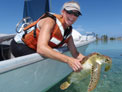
(5, 52)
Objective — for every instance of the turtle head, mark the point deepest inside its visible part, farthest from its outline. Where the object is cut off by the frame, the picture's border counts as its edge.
(102, 59)
(108, 62)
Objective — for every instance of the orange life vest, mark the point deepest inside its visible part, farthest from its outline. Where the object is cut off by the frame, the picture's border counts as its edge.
(59, 35)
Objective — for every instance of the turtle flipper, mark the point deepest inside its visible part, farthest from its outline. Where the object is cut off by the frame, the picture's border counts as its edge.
(107, 67)
(64, 85)
(95, 75)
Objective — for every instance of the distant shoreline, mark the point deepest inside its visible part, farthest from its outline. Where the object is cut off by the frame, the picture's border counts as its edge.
(105, 37)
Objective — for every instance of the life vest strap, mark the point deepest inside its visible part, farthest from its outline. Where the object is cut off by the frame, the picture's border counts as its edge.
(66, 35)
(47, 14)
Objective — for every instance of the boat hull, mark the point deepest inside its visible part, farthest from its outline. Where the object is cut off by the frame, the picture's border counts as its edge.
(32, 73)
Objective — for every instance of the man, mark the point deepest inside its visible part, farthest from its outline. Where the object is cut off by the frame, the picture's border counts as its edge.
(51, 31)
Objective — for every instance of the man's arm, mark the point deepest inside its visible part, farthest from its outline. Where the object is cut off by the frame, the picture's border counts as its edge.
(46, 26)
(73, 50)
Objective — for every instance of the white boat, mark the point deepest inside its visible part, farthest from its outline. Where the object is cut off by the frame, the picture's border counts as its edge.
(33, 73)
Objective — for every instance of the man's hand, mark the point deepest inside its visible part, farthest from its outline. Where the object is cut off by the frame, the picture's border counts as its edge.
(75, 64)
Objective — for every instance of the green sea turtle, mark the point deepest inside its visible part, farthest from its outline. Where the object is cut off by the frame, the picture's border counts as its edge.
(91, 64)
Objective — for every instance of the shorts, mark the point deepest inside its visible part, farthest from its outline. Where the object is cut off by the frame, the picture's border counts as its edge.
(20, 49)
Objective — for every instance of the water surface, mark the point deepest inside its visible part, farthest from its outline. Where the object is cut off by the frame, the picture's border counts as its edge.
(110, 81)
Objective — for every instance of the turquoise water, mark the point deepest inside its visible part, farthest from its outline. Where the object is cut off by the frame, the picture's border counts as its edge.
(110, 81)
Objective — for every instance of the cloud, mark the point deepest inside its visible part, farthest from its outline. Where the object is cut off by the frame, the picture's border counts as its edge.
(79, 28)
(121, 23)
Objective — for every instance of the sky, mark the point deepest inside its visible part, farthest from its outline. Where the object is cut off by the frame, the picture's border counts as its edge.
(103, 17)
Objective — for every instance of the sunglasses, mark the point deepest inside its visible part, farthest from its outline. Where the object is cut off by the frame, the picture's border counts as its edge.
(76, 13)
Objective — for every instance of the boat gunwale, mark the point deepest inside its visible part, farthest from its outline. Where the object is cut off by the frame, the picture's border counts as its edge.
(11, 64)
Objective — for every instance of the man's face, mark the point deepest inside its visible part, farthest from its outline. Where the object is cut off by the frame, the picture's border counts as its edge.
(69, 18)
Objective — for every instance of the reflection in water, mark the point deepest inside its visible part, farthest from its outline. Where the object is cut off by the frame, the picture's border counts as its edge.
(104, 41)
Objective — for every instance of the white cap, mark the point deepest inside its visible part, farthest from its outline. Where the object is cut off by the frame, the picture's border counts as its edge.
(71, 6)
